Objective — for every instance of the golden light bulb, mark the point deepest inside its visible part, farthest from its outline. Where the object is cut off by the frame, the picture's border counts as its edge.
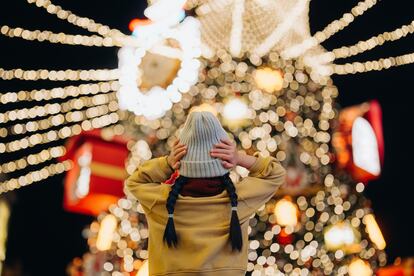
(268, 79)
(143, 270)
(204, 107)
(374, 232)
(286, 213)
(341, 236)
(235, 109)
(106, 231)
(359, 268)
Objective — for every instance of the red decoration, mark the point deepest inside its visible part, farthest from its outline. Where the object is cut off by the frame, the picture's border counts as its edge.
(342, 140)
(284, 238)
(403, 267)
(134, 23)
(97, 177)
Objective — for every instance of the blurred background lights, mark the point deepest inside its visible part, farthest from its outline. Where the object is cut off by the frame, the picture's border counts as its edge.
(286, 213)
(143, 270)
(268, 79)
(204, 107)
(235, 109)
(359, 267)
(106, 232)
(340, 236)
(374, 231)
(365, 147)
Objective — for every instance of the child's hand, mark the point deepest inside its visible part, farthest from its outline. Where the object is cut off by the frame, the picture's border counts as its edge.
(226, 150)
(177, 152)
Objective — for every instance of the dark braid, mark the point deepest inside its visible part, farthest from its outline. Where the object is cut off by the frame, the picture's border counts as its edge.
(170, 236)
(235, 229)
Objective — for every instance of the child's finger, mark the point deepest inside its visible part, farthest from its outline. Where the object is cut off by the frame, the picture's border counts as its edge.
(222, 146)
(227, 141)
(221, 156)
(176, 165)
(225, 151)
(180, 154)
(178, 151)
(178, 145)
(227, 165)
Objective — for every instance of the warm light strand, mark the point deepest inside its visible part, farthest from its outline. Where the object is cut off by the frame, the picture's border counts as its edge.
(96, 120)
(331, 29)
(58, 92)
(32, 159)
(83, 22)
(280, 31)
(365, 45)
(69, 115)
(59, 75)
(53, 108)
(373, 65)
(61, 38)
(35, 176)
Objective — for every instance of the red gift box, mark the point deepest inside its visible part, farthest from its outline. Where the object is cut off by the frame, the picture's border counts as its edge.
(97, 177)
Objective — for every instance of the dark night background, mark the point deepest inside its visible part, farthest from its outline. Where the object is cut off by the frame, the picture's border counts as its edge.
(43, 238)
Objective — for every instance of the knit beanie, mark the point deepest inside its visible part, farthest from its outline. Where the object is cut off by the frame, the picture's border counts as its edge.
(200, 132)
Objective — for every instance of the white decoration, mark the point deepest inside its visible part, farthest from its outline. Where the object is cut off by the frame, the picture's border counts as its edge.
(252, 26)
(155, 102)
(365, 147)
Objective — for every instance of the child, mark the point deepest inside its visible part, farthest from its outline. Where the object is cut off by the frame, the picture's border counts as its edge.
(198, 225)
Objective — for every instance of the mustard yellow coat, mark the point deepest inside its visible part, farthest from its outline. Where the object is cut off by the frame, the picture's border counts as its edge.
(202, 223)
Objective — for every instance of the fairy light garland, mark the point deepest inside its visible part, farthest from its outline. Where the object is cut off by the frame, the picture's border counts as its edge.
(279, 32)
(237, 28)
(58, 92)
(35, 176)
(32, 159)
(100, 117)
(69, 114)
(373, 65)
(55, 108)
(60, 38)
(83, 22)
(59, 75)
(331, 29)
(363, 46)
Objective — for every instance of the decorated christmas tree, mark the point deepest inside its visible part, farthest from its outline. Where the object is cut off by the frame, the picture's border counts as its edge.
(257, 67)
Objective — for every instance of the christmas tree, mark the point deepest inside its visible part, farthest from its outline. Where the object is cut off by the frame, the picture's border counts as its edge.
(266, 77)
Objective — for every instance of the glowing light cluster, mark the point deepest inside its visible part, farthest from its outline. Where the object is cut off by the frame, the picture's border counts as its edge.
(331, 29)
(61, 38)
(59, 75)
(157, 100)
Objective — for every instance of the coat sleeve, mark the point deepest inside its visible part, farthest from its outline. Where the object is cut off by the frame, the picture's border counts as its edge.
(144, 183)
(265, 177)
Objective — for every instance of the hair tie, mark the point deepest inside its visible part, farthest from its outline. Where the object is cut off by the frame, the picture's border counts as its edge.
(170, 215)
(234, 208)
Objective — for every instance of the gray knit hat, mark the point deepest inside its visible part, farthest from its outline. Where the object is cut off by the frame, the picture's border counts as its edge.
(200, 132)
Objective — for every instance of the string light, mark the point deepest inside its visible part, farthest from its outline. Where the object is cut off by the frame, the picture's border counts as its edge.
(362, 46)
(55, 108)
(331, 29)
(236, 28)
(35, 176)
(280, 31)
(58, 92)
(373, 65)
(134, 98)
(96, 120)
(68, 114)
(32, 159)
(61, 38)
(59, 75)
(83, 22)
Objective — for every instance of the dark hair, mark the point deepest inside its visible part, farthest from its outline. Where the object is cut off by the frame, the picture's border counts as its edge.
(235, 237)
